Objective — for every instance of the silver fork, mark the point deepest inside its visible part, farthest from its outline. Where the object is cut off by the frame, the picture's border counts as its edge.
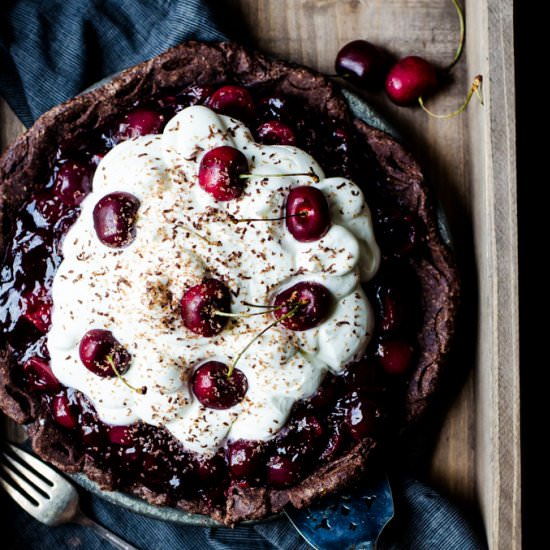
(46, 495)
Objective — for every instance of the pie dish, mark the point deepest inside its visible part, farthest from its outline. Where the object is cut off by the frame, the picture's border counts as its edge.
(46, 177)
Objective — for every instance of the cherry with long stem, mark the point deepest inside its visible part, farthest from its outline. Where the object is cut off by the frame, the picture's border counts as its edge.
(311, 174)
(279, 218)
(307, 214)
(245, 315)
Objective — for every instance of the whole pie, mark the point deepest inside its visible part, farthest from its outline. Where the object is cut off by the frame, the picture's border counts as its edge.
(220, 291)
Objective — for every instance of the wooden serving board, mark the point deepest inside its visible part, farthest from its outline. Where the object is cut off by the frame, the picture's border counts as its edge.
(471, 161)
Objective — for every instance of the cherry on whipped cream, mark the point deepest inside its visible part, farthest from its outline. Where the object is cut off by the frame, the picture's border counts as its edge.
(302, 306)
(101, 353)
(115, 218)
(307, 213)
(220, 173)
(199, 305)
(215, 388)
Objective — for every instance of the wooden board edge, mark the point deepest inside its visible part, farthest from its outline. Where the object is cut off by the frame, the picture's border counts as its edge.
(493, 154)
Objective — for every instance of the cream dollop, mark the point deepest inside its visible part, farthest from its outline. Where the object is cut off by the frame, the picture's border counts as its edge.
(183, 235)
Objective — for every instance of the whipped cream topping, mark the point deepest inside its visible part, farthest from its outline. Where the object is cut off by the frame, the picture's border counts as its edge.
(183, 235)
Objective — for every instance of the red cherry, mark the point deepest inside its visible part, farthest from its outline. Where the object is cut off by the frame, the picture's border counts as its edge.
(311, 301)
(245, 459)
(362, 415)
(410, 78)
(73, 182)
(212, 470)
(121, 435)
(294, 448)
(140, 122)
(332, 446)
(46, 208)
(39, 375)
(199, 305)
(233, 101)
(220, 170)
(362, 374)
(114, 219)
(324, 396)
(390, 309)
(215, 389)
(175, 101)
(398, 232)
(274, 132)
(395, 355)
(64, 412)
(99, 349)
(308, 216)
(283, 470)
(276, 108)
(36, 307)
(362, 63)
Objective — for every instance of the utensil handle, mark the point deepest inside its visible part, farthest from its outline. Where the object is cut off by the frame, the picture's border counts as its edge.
(115, 540)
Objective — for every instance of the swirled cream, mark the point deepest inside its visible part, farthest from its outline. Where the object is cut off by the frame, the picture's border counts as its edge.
(183, 235)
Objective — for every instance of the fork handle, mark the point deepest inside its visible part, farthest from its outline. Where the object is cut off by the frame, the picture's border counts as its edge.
(115, 540)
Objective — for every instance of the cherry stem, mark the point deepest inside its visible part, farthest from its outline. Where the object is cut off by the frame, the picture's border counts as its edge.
(111, 361)
(189, 230)
(246, 220)
(260, 305)
(310, 174)
(261, 333)
(238, 315)
(474, 88)
(460, 47)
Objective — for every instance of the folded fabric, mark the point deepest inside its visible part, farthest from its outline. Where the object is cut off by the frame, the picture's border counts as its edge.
(50, 51)
(424, 520)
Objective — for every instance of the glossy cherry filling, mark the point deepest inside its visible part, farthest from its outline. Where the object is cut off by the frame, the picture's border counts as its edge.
(344, 410)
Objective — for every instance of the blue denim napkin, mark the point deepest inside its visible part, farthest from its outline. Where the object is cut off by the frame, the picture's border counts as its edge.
(50, 50)
(424, 520)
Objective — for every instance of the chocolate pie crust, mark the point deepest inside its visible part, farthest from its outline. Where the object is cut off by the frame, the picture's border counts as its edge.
(195, 63)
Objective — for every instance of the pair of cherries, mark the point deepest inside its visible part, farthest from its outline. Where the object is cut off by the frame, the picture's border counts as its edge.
(406, 82)
(223, 171)
(221, 174)
(299, 307)
(366, 65)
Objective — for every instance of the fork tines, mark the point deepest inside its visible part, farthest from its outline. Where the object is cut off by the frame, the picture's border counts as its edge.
(23, 477)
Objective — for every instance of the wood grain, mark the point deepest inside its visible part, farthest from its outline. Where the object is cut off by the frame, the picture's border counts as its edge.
(471, 162)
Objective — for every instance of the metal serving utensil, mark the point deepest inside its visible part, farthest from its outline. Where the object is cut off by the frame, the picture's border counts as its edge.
(45, 494)
(348, 520)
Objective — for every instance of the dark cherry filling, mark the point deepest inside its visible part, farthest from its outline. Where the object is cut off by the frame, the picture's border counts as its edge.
(344, 410)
